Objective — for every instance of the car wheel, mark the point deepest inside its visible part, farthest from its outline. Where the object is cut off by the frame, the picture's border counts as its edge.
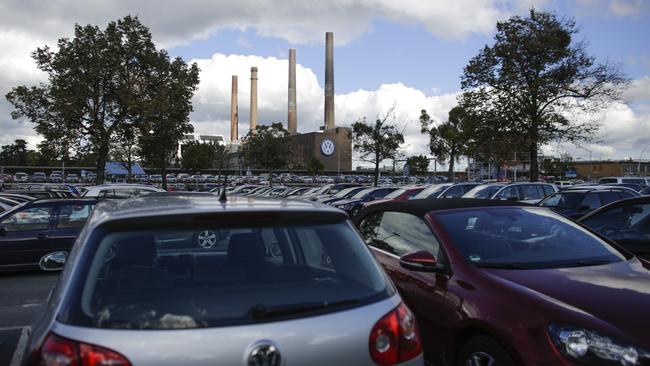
(484, 351)
(206, 239)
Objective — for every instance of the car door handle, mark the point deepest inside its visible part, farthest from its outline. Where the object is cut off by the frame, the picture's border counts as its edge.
(41, 236)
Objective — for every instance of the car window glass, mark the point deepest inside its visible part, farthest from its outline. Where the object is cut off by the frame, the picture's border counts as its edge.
(530, 192)
(73, 216)
(608, 197)
(623, 195)
(35, 218)
(401, 233)
(219, 275)
(548, 190)
(454, 191)
(509, 192)
(592, 201)
(622, 222)
(369, 227)
(523, 238)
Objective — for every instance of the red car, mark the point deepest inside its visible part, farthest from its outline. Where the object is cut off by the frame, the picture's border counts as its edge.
(401, 194)
(503, 283)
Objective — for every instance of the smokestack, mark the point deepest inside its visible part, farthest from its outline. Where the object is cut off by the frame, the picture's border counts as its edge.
(253, 113)
(291, 117)
(329, 81)
(234, 111)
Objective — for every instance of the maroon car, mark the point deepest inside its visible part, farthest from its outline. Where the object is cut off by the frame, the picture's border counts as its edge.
(503, 283)
(401, 194)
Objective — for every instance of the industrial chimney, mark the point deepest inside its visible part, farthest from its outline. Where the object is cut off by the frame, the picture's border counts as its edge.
(253, 113)
(292, 117)
(329, 81)
(234, 109)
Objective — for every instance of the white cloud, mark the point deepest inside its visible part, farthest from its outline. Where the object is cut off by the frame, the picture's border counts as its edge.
(298, 21)
(639, 90)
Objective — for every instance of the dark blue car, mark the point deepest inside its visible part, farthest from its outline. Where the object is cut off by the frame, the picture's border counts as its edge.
(575, 203)
(41, 230)
(353, 205)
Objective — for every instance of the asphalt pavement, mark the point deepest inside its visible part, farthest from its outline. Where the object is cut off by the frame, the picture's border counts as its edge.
(22, 301)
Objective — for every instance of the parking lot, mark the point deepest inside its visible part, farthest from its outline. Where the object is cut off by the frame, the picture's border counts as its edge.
(22, 299)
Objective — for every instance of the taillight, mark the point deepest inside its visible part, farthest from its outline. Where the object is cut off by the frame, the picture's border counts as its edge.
(395, 338)
(59, 351)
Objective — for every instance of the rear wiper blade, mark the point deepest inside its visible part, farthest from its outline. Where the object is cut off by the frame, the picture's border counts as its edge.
(261, 311)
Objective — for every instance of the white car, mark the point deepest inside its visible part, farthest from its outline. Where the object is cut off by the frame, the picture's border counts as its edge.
(120, 190)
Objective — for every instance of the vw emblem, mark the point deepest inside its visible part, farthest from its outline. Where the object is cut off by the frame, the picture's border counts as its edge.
(264, 354)
(327, 147)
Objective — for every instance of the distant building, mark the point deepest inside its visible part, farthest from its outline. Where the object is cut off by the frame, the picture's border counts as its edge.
(600, 169)
(332, 147)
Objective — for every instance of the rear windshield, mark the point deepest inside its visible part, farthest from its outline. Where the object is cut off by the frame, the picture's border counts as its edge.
(608, 180)
(431, 192)
(484, 192)
(221, 276)
(523, 238)
(564, 200)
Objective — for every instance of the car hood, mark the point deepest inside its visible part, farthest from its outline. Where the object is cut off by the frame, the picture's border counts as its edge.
(618, 293)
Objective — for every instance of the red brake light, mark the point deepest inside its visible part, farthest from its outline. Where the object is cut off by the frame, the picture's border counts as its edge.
(59, 351)
(395, 338)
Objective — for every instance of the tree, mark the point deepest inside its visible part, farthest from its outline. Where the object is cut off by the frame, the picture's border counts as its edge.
(378, 141)
(15, 154)
(314, 167)
(268, 147)
(96, 84)
(198, 156)
(164, 119)
(530, 81)
(418, 164)
(558, 167)
(449, 140)
(125, 148)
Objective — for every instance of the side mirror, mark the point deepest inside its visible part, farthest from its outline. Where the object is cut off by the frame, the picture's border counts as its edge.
(421, 261)
(53, 261)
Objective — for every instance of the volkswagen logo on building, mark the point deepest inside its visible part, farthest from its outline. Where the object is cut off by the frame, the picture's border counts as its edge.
(264, 354)
(327, 147)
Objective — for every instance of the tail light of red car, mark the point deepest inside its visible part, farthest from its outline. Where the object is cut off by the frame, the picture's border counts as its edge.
(59, 351)
(395, 338)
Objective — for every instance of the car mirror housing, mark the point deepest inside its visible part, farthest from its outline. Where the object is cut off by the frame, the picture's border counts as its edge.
(53, 261)
(421, 261)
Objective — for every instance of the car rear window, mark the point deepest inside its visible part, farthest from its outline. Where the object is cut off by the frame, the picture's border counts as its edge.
(217, 276)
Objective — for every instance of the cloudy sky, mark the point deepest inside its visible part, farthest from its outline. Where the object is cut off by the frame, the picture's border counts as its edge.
(407, 53)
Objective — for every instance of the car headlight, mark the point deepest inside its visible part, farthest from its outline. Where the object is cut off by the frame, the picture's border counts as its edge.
(592, 348)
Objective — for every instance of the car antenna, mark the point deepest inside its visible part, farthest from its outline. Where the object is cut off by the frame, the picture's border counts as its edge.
(223, 198)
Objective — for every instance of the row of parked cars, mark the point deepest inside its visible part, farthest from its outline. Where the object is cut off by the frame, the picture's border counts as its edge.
(54, 177)
(259, 280)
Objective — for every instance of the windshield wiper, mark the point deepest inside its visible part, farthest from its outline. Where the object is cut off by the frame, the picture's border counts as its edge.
(585, 263)
(261, 311)
(502, 265)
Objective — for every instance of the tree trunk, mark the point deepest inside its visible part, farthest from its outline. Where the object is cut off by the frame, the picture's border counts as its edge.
(129, 177)
(271, 178)
(102, 155)
(534, 167)
(164, 176)
(376, 180)
(450, 173)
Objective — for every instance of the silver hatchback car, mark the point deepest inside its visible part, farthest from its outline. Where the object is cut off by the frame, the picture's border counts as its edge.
(173, 279)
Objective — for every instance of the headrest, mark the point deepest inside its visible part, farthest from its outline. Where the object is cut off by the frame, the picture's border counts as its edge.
(246, 248)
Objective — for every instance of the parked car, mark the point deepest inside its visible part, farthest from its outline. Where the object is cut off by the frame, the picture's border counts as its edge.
(7, 203)
(505, 283)
(36, 232)
(171, 178)
(72, 178)
(484, 191)
(113, 191)
(645, 191)
(39, 177)
(355, 204)
(575, 203)
(42, 192)
(404, 193)
(55, 178)
(528, 192)
(344, 193)
(633, 180)
(295, 286)
(21, 177)
(155, 178)
(446, 190)
(626, 222)
(561, 184)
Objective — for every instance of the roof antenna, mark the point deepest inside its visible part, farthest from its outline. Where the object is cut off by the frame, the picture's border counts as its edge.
(223, 198)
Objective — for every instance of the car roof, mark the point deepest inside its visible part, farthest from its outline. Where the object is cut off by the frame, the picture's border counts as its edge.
(190, 203)
(421, 207)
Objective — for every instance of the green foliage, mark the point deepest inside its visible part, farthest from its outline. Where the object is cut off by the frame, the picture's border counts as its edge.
(99, 82)
(378, 141)
(418, 164)
(198, 156)
(528, 84)
(557, 167)
(268, 147)
(449, 140)
(15, 154)
(314, 166)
